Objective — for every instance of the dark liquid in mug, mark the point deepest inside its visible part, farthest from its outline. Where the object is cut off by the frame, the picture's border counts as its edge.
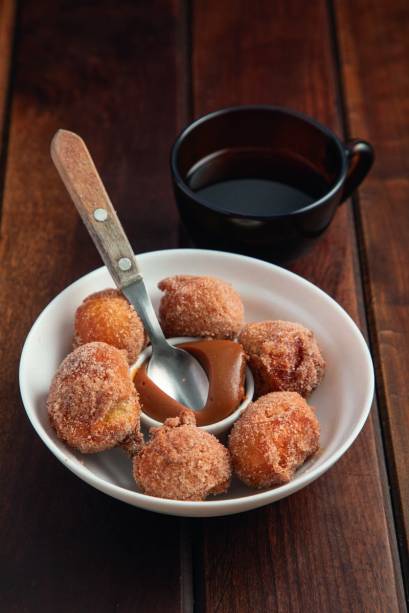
(256, 182)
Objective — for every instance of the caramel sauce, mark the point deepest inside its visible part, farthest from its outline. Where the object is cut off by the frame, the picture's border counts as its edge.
(224, 363)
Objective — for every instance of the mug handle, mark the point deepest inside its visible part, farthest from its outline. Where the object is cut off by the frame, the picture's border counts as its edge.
(360, 157)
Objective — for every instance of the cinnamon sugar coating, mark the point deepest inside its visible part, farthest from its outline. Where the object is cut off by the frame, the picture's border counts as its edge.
(283, 356)
(182, 461)
(133, 443)
(200, 306)
(92, 402)
(272, 438)
(108, 317)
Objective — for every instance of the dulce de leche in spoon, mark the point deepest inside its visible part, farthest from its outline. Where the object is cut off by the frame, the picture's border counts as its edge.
(224, 363)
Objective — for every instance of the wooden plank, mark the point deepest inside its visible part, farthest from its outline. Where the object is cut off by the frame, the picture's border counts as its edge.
(7, 18)
(374, 49)
(324, 548)
(102, 71)
(7, 21)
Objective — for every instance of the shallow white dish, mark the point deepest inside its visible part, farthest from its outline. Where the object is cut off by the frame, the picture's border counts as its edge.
(219, 427)
(342, 401)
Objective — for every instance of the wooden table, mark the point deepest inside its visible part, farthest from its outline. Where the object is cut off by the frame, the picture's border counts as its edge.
(128, 76)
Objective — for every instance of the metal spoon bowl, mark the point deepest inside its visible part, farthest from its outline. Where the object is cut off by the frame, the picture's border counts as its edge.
(174, 370)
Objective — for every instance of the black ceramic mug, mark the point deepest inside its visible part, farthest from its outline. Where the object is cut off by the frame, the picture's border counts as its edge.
(262, 180)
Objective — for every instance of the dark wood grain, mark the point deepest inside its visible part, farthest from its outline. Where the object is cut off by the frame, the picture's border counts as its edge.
(100, 70)
(7, 19)
(7, 23)
(374, 51)
(325, 548)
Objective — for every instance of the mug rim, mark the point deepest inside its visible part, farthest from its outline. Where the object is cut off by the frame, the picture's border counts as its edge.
(256, 107)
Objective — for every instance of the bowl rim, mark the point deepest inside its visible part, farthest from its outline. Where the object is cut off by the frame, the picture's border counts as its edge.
(185, 506)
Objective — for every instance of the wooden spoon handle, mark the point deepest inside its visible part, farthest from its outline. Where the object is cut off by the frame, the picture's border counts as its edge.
(77, 170)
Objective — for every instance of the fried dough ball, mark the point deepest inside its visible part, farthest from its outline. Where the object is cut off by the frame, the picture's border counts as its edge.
(200, 306)
(108, 317)
(283, 356)
(272, 438)
(92, 403)
(182, 461)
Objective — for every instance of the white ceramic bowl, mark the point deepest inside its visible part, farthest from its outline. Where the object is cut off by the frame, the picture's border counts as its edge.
(219, 427)
(342, 401)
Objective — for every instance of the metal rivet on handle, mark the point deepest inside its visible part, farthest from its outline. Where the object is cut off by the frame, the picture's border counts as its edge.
(124, 264)
(100, 215)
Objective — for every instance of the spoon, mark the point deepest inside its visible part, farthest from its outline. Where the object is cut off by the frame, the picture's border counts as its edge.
(174, 370)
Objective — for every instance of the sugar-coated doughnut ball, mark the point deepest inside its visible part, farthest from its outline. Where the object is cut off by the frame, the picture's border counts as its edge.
(108, 317)
(200, 306)
(283, 356)
(92, 403)
(272, 438)
(182, 461)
